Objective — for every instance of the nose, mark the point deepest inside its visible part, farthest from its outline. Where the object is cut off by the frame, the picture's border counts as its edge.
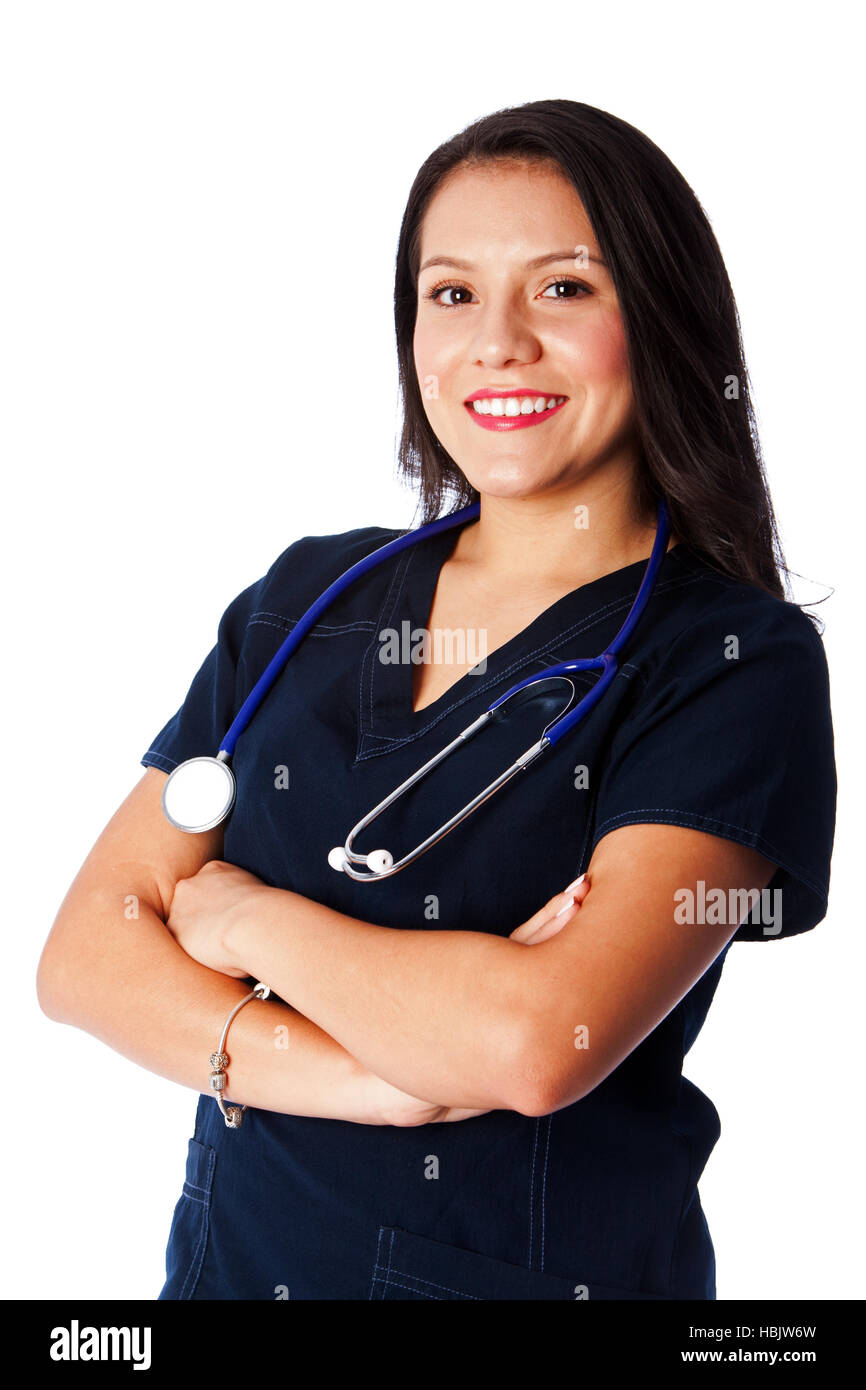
(502, 334)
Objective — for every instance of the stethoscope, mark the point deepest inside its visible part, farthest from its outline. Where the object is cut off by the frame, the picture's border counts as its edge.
(200, 793)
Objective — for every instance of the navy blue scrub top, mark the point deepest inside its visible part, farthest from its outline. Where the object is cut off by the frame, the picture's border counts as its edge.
(734, 738)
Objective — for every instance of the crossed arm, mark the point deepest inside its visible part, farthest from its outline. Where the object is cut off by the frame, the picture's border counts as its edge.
(475, 1020)
(381, 1023)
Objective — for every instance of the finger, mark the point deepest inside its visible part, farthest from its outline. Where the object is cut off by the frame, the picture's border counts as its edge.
(580, 888)
(527, 930)
(461, 1114)
(554, 924)
(531, 925)
(577, 890)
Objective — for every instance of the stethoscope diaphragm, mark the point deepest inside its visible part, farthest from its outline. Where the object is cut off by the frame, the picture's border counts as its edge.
(199, 794)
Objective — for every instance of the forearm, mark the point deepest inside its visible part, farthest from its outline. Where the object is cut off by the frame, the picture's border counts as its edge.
(129, 984)
(439, 1014)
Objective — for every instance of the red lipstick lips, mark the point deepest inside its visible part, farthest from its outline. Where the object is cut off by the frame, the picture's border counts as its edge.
(514, 419)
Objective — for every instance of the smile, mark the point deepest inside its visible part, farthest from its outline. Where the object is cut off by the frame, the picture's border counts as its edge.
(504, 412)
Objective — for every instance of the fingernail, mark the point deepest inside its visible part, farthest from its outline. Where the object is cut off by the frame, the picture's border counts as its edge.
(575, 883)
(568, 905)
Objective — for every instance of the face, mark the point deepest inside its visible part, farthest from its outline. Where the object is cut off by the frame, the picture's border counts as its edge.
(528, 325)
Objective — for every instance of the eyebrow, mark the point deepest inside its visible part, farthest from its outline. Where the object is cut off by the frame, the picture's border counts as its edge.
(534, 264)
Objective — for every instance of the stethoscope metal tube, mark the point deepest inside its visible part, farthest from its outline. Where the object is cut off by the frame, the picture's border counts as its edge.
(379, 862)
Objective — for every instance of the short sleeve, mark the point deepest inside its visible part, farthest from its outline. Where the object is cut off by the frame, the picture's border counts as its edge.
(297, 577)
(730, 732)
(201, 723)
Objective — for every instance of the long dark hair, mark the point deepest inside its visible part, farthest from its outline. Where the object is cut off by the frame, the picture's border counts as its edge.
(696, 422)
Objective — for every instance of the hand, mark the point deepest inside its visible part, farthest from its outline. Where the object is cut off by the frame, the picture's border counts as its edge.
(396, 1107)
(550, 919)
(205, 906)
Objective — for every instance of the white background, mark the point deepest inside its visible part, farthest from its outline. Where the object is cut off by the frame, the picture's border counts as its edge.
(201, 209)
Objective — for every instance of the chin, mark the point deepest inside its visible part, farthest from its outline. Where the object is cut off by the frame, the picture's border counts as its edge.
(506, 480)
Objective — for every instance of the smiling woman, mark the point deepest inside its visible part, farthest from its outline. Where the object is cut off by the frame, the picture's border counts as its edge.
(467, 1083)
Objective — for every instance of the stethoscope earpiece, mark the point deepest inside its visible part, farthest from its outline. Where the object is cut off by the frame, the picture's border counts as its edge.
(378, 861)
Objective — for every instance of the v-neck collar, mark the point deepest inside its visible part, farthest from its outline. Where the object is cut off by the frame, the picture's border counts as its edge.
(386, 714)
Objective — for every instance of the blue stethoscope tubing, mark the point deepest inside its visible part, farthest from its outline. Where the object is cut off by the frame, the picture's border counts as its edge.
(221, 785)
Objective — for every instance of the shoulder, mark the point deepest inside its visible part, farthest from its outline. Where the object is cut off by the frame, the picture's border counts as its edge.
(306, 567)
(298, 576)
(707, 621)
(323, 555)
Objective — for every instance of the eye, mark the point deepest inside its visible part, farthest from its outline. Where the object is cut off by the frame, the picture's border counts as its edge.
(575, 290)
(580, 290)
(448, 287)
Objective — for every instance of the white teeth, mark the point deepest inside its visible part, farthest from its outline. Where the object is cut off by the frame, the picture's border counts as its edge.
(516, 405)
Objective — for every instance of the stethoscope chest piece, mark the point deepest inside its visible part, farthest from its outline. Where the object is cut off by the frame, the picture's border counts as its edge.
(199, 794)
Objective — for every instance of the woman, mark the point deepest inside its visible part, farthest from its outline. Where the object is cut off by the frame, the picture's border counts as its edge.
(434, 1110)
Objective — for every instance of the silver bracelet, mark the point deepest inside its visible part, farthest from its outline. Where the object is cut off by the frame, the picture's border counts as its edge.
(219, 1060)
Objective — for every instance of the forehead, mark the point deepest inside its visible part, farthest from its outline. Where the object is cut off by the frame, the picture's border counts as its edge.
(499, 208)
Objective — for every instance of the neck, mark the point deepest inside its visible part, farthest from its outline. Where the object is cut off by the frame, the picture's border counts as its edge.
(556, 542)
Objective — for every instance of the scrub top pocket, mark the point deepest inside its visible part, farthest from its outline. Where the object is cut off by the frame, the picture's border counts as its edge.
(410, 1266)
(190, 1224)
